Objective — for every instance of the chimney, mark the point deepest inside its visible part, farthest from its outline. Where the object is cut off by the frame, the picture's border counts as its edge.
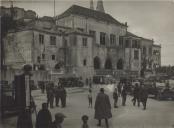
(91, 5)
(100, 6)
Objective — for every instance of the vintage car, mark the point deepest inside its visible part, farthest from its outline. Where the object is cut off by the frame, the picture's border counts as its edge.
(165, 93)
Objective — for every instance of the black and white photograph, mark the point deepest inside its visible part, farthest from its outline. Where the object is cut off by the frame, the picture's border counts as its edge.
(87, 64)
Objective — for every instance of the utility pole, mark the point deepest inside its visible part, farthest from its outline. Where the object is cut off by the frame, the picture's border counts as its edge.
(54, 8)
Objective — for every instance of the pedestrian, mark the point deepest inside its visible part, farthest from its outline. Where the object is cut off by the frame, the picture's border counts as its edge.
(143, 96)
(43, 119)
(50, 95)
(63, 96)
(57, 95)
(136, 97)
(102, 108)
(119, 86)
(115, 97)
(24, 119)
(59, 118)
(124, 95)
(85, 121)
(90, 98)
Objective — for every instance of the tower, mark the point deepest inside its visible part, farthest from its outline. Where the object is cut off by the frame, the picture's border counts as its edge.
(100, 6)
(91, 5)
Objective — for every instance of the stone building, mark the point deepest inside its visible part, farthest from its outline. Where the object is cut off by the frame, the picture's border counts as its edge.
(83, 43)
(156, 55)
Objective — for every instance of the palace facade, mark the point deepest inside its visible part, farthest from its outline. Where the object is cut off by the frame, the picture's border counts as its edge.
(81, 42)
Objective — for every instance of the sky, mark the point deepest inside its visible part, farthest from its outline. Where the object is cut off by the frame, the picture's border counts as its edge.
(153, 19)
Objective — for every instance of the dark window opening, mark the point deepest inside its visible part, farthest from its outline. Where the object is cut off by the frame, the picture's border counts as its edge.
(102, 38)
(84, 62)
(53, 57)
(112, 39)
(108, 64)
(52, 40)
(120, 64)
(41, 39)
(96, 63)
(136, 54)
(84, 41)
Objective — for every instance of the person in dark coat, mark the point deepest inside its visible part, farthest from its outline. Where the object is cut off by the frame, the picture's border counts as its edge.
(24, 119)
(57, 95)
(50, 96)
(143, 96)
(115, 97)
(124, 95)
(136, 95)
(59, 118)
(102, 107)
(119, 86)
(63, 96)
(43, 119)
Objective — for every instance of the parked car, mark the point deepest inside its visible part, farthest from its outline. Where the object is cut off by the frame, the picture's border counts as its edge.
(165, 93)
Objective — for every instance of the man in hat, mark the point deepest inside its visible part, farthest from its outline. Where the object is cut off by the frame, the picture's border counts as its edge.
(102, 108)
(43, 119)
(59, 118)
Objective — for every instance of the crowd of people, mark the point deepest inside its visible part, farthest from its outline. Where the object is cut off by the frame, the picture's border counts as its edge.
(102, 105)
(56, 93)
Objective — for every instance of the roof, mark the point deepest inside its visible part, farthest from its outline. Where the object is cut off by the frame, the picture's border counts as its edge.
(132, 35)
(82, 11)
(47, 18)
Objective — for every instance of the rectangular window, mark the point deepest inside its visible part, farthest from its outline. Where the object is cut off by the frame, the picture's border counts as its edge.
(84, 62)
(150, 51)
(84, 41)
(52, 40)
(102, 38)
(121, 42)
(53, 57)
(41, 39)
(136, 54)
(127, 43)
(112, 39)
(93, 33)
(144, 50)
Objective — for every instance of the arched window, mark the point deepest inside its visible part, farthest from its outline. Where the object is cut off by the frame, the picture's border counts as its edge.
(108, 64)
(96, 62)
(120, 64)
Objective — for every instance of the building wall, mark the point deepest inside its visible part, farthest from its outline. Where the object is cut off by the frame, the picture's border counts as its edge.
(47, 49)
(156, 56)
(18, 48)
(103, 52)
(148, 54)
(79, 54)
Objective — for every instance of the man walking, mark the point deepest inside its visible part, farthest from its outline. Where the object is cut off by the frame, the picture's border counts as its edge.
(57, 95)
(63, 96)
(124, 95)
(50, 95)
(115, 97)
(102, 108)
(59, 118)
(143, 96)
(43, 119)
(136, 93)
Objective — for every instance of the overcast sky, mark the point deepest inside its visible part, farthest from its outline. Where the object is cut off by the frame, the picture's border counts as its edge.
(149, 19)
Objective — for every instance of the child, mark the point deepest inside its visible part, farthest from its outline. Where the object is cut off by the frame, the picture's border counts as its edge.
(85, 121)
(90, 98)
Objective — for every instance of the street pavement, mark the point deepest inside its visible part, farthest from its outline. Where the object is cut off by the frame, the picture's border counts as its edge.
(159, 114)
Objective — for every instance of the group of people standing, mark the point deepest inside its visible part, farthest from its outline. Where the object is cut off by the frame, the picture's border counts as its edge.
(58, 93)
(140, 94)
